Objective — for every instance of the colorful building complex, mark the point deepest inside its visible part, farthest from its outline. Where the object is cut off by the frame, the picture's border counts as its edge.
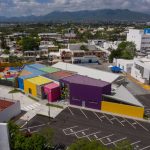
(91, 90)
(9, 73)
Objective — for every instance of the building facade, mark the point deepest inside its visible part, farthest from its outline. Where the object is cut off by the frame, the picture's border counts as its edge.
(84, 91)
(141, 38)
(141, 70)
(9, 109)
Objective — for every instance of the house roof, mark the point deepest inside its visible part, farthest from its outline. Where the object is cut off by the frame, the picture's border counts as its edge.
(59, 75)
(5, 104)
(51, 86)
(49, 69)
(63, 74)
(25, 72)
(123, 95)
(39, 80)
(79, 79)
(34, 72)
(92, 73)
(37, 66)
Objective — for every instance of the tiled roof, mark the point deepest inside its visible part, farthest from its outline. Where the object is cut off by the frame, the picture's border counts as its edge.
(59, 75)
(63, 74)
(5, 104)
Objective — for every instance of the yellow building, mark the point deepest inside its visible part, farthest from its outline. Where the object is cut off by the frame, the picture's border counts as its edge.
(122, 109)
(31, 86)
(122, 103)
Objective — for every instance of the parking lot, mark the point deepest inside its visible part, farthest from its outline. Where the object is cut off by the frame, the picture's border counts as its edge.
(73, 123)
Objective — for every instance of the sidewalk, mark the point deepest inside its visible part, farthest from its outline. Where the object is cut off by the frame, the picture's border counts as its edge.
(144, 86)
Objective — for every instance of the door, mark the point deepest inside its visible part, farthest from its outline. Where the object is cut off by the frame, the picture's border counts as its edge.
(83, 103)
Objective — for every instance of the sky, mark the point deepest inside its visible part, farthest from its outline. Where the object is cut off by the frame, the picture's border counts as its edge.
(11, 8)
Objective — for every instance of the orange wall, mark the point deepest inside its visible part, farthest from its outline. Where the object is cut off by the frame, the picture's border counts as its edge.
(122, 109)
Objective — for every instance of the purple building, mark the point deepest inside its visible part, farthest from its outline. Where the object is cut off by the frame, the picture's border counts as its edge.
(85, 91)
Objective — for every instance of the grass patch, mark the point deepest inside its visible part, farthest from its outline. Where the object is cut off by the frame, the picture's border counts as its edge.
(33, 98)
(14, 91)
(54, 105)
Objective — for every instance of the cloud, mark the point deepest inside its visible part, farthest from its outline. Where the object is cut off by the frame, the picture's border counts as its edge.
(41, 7)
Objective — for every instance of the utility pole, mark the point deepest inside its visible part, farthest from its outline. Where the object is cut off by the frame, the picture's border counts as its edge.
(49, 112)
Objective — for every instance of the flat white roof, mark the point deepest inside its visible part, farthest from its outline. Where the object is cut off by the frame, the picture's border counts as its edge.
(85, 71)
(125, 61)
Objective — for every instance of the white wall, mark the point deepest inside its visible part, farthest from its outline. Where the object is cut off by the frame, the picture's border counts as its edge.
(135, 36)
(124, 64)
(4, 137)
(10, 112)
(135, 73)
(85, 59)
(140, 39)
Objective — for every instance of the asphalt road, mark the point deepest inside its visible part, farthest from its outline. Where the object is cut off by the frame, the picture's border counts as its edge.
(72, 124)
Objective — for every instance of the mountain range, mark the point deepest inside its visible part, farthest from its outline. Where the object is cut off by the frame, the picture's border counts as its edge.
(88, 16)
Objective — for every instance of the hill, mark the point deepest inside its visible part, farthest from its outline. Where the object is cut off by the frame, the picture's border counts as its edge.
(83, 16)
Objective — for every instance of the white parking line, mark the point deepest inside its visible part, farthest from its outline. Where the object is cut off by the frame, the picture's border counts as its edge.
(135, 142)
(108, 119)
(123, 121)
(141, 126)
(94, 133)
(70, 111)
(97, 116)
(130, 123)
(106, 136)
(70, 128)
(145, 147)
(102, 117)
(79, 131)
(114, 142)
(33, 127)
(118, 120)
(113, 119)
(23, 124)
(84, 113)
(96, 136)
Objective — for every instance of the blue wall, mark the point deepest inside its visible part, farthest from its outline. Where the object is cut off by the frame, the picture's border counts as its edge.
(147, 31)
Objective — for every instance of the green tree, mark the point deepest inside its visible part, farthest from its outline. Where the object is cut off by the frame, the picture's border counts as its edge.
(13, 132)
(6, 51)
(3, 43)
(125, 50)
(84, 47)
(13, 59)
(29, 43)
(84, 144)
(48, 134)
(35, 142)
(19, 140)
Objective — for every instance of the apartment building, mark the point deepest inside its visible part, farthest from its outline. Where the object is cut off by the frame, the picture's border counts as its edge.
(141, 38)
